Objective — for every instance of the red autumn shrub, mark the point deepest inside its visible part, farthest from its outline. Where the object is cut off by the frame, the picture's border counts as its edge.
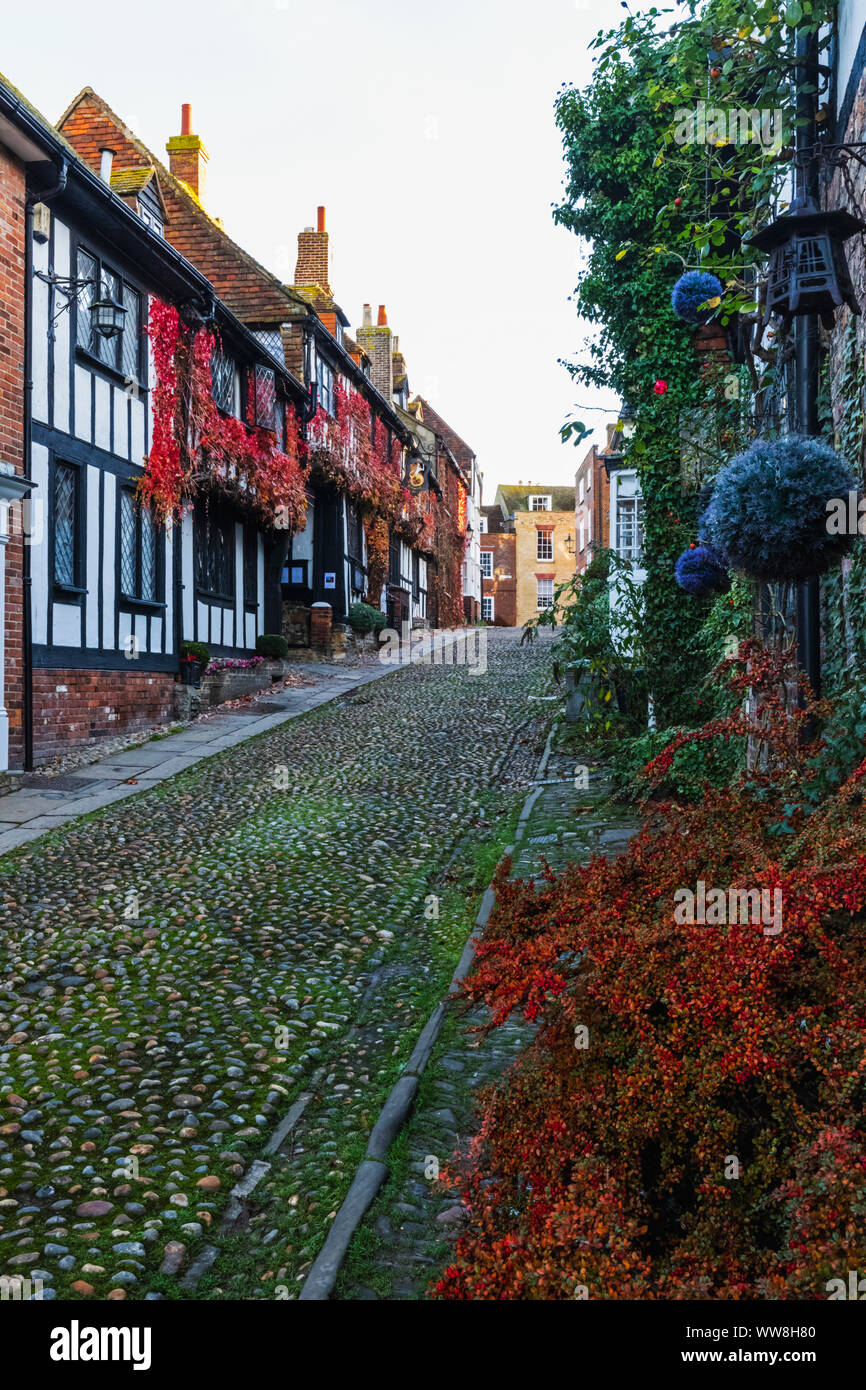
(708, 1142)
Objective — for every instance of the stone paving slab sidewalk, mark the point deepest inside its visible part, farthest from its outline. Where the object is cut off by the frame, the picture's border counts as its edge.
(406, 1238)
(35, 809)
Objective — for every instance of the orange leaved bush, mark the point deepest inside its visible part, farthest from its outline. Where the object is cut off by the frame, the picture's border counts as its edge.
(708, 1140)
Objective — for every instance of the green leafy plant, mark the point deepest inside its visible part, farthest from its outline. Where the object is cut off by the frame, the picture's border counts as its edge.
(198, 651)
(363, 618)
(272, 644)
(603, 639)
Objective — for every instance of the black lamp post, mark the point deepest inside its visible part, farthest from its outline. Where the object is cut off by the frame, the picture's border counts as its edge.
(807, 281)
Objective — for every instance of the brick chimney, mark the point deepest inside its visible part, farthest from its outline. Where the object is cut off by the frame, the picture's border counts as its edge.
(187, 156)
(376, 342)
(312, 264)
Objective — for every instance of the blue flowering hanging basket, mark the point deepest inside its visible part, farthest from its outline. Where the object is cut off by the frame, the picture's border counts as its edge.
(700, 570)
(768, 514)
(690, 295)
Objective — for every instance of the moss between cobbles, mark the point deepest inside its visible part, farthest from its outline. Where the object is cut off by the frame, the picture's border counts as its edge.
(257, 912)
(313, 1186)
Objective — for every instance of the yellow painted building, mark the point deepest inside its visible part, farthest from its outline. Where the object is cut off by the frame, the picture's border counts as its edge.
(543, 520)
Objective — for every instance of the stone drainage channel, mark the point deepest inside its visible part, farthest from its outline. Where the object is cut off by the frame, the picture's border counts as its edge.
(405, 1241)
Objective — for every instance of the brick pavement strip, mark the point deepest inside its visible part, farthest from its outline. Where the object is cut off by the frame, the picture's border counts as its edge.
(184, 965)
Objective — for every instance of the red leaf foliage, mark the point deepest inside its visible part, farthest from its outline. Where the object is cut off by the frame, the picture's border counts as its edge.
(608, 1171)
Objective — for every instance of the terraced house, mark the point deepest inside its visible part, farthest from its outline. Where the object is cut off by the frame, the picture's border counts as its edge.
(542, 519)
(211, 455)
(364, 537)
(112, 588)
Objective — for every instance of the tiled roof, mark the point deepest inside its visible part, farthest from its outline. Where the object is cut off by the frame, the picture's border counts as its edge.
(463, 452)
(516, 498)
(249, 290)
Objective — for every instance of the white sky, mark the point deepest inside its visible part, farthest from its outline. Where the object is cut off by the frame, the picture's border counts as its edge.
(427, 131)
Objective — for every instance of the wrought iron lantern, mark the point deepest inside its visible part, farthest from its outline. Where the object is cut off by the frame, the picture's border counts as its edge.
(808, 272)
(627, 422)
(107, 316)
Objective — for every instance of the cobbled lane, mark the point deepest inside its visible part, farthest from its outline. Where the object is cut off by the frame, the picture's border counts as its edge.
(261, 936)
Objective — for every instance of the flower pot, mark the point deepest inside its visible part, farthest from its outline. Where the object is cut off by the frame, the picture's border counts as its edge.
(190, 671)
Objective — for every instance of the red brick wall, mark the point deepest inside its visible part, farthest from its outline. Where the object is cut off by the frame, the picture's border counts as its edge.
(72, 708)
(12, 225)
(502, 589)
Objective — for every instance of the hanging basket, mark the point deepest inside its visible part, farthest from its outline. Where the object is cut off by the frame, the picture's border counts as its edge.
(691, 293)
(768, 514)
(700, 571)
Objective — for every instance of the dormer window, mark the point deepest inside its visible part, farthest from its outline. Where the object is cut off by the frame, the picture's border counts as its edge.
(540, 502)
(271, 340)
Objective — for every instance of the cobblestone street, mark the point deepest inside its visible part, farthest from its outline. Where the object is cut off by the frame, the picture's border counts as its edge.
(230, 970)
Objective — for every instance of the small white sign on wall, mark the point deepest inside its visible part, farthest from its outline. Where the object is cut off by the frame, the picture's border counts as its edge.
(330, 581)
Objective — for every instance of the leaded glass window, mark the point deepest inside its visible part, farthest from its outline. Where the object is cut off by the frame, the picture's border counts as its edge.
(128, 544)
(65, 524)
(266, 398)
(148, 556)
(122, 353)
(214, 553)
(271, 340)
(222, 373)
(139, 572)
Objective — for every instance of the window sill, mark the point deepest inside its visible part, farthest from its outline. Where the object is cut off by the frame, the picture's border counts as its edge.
(142, 605)
(135, 388)
(67, 592)
(209, 596)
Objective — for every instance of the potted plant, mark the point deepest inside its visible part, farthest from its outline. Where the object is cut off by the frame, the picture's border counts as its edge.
(194, 661)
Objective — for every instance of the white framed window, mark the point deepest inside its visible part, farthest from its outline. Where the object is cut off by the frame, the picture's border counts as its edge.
(545, 593)
(482, 525)
(629, 532)
(581, 535)
(487, 564)
(544, 545)
(487, 608)
(581, 491)
(540, 502)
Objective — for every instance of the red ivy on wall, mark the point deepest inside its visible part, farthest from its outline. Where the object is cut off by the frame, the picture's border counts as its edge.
(349, 450)
(196, 448)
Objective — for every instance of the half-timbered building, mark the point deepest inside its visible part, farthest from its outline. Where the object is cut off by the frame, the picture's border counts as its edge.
(114, 587)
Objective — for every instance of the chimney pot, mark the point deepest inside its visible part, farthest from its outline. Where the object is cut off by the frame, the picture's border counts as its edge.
(312, 265)
(383, 317)
(368, 316)
(187, 156)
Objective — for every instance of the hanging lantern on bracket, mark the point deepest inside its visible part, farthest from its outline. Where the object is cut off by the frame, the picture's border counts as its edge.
(808, 272)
